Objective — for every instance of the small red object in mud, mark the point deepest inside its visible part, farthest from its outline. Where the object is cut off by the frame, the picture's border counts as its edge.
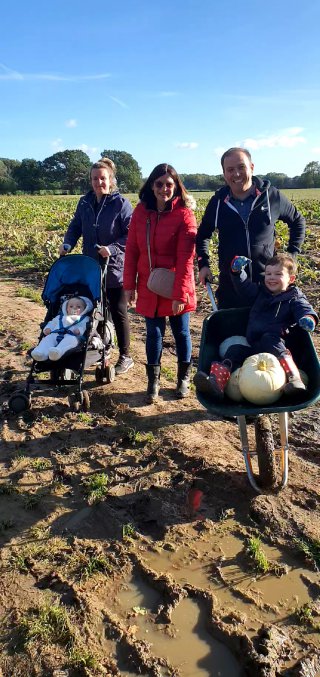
(194, 499)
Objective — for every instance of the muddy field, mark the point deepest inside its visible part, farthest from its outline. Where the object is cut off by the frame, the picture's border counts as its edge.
(105, 567)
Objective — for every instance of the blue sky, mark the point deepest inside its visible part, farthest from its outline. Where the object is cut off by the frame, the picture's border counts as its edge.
(175, 83)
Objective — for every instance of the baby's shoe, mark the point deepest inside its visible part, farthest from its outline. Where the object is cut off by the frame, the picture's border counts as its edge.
(215, 383)
(38, 356)
(54, 354)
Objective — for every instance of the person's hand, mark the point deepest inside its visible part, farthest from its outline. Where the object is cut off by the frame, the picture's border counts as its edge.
(47, 331)
(76, 331)
(239, 262)
(307, 322)
(64, 249)
(130, 296)
(177, 307)
(104, 251)
(205, 275)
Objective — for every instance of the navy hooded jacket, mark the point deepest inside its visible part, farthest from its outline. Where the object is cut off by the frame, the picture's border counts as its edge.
(254, 239)
(106, 224)
(270, 313)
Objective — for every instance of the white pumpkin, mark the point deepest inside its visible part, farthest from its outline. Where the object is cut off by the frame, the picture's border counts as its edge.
(261, 379)
(231, 341)
(232, 387)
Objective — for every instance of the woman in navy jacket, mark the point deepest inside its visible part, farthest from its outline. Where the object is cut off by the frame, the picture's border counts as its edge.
(102, 220)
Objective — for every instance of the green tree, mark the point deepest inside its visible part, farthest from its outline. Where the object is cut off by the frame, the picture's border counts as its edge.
(278, 179)
(129, 177)
(67, 170)
(28, 175)
(7, 183)
(311, 175)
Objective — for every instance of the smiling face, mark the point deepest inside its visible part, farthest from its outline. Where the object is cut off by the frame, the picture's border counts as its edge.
(75, 306)
(163, 189)
(237, 171)
(100, 181)
(277, 278)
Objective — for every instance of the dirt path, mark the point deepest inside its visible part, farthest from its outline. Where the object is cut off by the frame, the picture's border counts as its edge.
(134, 584)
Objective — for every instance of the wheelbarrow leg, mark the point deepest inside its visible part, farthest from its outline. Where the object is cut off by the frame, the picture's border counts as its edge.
(283, 424)
(246, 452)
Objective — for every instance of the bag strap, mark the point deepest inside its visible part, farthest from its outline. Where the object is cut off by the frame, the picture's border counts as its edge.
(148, 243)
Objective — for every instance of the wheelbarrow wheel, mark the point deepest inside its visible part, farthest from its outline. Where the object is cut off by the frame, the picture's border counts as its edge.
(265, 452)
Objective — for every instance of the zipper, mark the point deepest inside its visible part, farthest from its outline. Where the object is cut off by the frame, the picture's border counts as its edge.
(246, 234)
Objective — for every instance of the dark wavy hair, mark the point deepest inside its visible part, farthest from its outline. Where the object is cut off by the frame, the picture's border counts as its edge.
(146, 193)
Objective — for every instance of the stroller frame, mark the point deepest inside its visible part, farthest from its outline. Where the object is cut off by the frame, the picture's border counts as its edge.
(79, 275)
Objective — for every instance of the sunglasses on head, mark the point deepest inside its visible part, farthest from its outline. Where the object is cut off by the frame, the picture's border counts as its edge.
(167, 184)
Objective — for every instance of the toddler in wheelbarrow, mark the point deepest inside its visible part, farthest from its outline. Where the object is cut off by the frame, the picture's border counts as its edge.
(249, 359)
(276, 305)
(76, 333)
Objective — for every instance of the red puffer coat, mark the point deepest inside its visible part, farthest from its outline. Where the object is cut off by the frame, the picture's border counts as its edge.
(172, 244)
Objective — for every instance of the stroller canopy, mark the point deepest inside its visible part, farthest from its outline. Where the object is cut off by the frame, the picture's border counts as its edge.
(75, 272)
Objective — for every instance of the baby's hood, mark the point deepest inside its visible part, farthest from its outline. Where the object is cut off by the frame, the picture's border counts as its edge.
(88, 308)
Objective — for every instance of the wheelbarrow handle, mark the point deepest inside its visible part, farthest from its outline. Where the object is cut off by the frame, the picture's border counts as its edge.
(211, 296)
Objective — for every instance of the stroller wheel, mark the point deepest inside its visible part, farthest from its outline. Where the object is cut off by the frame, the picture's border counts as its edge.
(105, 374)
(85, 406)
(99, 376)
(110, 373)
(19, 402)
(74, 402)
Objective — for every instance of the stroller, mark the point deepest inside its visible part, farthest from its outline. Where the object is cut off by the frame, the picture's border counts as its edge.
(73, 275)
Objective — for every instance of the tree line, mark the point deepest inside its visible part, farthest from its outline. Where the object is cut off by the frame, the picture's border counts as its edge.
(68, 172)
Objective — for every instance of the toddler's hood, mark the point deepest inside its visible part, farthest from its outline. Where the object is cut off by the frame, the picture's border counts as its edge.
(88, 308)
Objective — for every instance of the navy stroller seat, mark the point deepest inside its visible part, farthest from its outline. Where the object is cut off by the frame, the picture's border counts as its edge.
(74, 275)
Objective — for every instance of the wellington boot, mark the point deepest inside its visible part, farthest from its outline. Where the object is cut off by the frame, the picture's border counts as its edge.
(183, 382)
(153, 374)
(294, 383)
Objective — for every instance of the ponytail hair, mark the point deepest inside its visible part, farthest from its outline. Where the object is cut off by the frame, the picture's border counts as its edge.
(106, 163)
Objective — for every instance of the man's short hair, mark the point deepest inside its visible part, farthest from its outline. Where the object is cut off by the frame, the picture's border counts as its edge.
(230, 151)
(285, 261)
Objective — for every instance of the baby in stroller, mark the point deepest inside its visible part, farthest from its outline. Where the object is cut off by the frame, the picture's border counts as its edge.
(65, 331)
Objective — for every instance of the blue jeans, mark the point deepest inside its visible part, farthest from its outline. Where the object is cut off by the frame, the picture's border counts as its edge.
(156, 327)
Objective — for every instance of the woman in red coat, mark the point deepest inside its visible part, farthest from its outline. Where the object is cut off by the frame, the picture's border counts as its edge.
(165, 205)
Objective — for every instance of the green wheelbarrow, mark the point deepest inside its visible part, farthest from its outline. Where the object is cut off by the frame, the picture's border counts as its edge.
(222, 324)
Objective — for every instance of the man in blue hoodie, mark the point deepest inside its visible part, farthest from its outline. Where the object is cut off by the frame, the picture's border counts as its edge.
(244, 212)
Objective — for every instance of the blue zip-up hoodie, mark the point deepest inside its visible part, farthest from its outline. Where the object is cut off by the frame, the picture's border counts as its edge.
(107, 224)
(271, 313)
(254, 239)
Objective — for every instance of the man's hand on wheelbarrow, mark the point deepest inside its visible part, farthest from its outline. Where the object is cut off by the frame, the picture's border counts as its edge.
(239, 262)
(205, 275)
(307, 322)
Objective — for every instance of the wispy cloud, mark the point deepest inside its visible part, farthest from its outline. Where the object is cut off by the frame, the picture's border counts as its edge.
(57, 145)
(90, 150)
(9, 74)
(315, 149)
(287, 138)
(119, 102)
(188, 145)
(71, 123)
(167, 94)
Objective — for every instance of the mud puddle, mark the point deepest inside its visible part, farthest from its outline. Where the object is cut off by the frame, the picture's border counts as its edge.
(218, 562)
(187, 644)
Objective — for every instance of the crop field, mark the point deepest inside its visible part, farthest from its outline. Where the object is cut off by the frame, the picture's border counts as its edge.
(32, 227)
(107, 567)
